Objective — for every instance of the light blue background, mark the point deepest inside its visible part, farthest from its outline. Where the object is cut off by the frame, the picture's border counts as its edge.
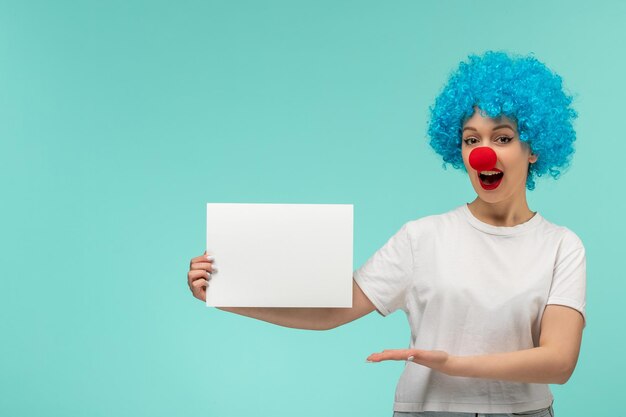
(120, 120)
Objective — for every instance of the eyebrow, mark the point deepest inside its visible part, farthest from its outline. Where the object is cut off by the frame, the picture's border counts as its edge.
(495, 128)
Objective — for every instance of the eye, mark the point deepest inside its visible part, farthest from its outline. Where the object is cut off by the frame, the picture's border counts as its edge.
(505, 139)
(470, 141)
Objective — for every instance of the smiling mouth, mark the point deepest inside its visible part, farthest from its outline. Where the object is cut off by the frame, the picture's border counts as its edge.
(490, 180)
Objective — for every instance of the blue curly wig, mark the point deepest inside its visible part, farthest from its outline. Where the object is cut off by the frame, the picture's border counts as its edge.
(519, 87)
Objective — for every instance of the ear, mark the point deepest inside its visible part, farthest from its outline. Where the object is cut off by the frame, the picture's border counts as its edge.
(532, 158)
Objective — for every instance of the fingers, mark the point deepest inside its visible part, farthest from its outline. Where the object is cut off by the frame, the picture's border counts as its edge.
(202, 258)
(199, 283)
(396, 354)
(200, 272)
(391, 354)
(206, 266)
(201, 263)
(198, 289)
(195, 275)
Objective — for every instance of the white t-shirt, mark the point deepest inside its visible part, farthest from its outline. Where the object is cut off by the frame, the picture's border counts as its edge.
(471, 288)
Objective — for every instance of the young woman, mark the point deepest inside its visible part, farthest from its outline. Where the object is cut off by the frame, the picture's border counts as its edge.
(494, 293)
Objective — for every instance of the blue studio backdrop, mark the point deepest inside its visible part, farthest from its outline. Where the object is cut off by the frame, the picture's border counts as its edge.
(120, 120)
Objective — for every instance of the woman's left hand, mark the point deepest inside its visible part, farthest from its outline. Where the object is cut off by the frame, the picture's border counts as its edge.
(435, 359)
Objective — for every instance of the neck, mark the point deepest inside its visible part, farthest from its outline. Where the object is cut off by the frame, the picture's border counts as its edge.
(504, 213)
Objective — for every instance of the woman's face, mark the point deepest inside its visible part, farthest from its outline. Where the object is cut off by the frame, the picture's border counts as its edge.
(513, 156)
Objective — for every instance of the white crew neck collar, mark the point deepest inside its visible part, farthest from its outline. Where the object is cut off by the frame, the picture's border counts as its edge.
(500, 230)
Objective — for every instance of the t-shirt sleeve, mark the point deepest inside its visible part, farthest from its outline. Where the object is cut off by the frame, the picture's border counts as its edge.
(569, 280)
(385, 276)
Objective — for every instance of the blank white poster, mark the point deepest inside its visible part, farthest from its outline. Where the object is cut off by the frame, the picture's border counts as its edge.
(280, 255)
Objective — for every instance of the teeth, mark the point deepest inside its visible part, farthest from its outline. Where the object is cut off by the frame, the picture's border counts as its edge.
(490, 172)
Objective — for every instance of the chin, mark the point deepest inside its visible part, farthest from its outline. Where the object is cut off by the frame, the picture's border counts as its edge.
(490, 199)
(489, 196)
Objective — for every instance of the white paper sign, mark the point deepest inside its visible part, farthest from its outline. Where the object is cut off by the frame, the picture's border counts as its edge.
(280, 255)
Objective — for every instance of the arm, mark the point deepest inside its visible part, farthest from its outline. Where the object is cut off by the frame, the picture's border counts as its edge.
(310, 318)
(553, 362)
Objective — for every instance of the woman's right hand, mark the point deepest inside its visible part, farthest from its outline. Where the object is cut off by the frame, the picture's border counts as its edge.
(200, 270)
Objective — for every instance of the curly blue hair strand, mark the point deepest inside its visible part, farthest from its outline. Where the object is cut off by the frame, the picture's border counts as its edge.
(519, 87)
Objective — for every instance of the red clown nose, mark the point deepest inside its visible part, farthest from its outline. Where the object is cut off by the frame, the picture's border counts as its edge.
(483, 159)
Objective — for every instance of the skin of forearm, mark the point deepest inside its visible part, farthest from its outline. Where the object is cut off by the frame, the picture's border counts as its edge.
(541, 365)
(295, 318)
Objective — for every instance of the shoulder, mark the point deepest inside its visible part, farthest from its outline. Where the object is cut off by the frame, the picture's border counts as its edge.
(566, 245)
(434, 223)
(566, 238)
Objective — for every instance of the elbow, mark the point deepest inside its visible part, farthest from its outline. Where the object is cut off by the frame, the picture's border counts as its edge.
(565, 373)
(566, 376)
(327, 326)
(319, 328)
(329, 320)
(562, 379)
(323, 325)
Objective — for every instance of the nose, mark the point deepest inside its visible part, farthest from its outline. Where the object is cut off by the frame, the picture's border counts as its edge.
(483, 158)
